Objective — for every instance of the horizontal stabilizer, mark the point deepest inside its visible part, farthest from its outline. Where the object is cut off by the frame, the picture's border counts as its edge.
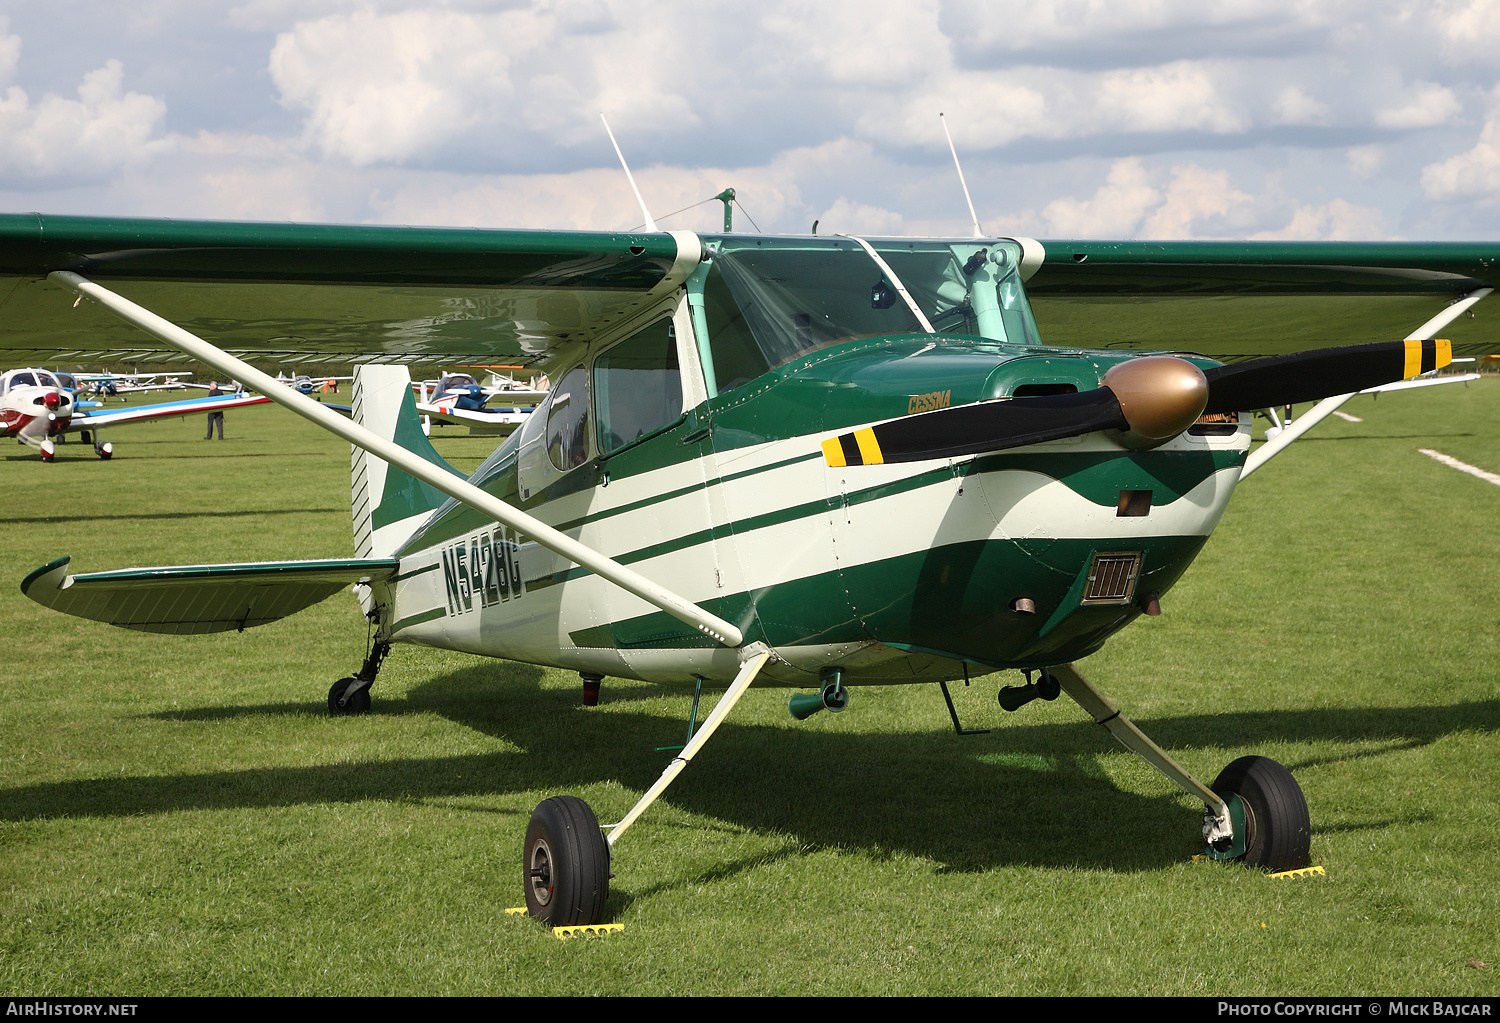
(196, 599)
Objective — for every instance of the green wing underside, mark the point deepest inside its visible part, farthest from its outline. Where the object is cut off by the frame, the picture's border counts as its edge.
(196, 599)
(1234, 300)
(305, 292)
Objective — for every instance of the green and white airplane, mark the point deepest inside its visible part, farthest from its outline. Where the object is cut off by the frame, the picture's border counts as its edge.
(810, 462)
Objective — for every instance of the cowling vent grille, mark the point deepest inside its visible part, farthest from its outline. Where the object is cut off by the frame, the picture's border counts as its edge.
(1112, 578)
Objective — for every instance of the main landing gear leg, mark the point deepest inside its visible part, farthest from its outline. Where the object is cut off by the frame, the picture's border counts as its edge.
(352, 695)
(1254, 812)
(565, 867)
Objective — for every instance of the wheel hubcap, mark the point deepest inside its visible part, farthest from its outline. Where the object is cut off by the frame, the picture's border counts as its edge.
(541, 872)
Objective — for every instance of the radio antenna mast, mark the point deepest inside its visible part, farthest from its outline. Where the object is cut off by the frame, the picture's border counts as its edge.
(650, 223)
(978, 233)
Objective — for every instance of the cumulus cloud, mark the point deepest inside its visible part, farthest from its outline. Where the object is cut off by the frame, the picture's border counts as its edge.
(398, 87)
(1202, 202)
(1337, 220)
(1122, 117)
(388, 87)
(1471, 175)
(1294, 106)
(1426, 105)
(1114, 211)
(1470, 29)
(103, 130)
(849, 217)
(1181, 96)
(601, 199)
(1196, 195)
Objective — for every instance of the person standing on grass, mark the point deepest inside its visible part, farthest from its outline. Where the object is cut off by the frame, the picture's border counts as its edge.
(217, 415)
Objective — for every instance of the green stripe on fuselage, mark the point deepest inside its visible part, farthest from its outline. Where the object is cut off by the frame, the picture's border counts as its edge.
(1098, 477)
(952, 600)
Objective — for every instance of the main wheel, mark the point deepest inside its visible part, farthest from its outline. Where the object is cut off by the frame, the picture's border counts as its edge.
(358, 702)
(1278, 833)
(566, 865)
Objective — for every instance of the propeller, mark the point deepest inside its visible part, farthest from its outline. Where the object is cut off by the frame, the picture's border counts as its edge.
(1150, 400)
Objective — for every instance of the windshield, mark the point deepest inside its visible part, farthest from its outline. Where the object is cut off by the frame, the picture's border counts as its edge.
(762, 302)
(768, 301)
(967, 288)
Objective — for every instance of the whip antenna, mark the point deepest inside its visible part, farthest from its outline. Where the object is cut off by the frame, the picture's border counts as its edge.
(650, 224)
(972, 215)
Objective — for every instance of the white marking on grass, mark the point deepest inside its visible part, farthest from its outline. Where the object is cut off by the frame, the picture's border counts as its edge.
(1347, 416)
(1454, 463)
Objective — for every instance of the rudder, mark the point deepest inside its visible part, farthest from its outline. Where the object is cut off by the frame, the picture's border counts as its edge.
(387, 504)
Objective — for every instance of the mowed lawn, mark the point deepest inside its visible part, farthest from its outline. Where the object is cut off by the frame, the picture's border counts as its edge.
(181, 815)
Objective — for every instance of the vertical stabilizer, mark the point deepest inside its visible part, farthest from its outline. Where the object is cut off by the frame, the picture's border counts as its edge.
(387, 504)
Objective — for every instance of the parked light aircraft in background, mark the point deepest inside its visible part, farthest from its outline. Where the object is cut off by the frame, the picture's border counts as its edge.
(38, 409)
(812, 462)
(112, 385)
(457, 399)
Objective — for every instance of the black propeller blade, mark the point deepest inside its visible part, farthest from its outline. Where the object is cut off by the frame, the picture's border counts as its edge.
(988, 426)
(1150, 399)
(1322, 373)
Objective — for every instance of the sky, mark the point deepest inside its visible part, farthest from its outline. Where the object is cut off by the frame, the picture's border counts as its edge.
(1271, 119)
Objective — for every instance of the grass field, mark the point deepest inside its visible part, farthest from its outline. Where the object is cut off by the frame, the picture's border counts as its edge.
(181, 816)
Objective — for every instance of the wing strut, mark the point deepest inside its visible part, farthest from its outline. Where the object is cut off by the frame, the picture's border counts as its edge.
(1325, 408)
(677, 606)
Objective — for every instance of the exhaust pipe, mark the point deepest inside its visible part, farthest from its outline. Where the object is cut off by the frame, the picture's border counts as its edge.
(833, 696)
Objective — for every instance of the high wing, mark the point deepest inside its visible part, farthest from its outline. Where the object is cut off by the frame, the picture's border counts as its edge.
(308, 293)
(1240, 300)
(93, 419)
(304, 293)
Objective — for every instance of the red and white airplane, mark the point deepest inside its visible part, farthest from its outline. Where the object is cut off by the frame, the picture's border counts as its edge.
(37, 410)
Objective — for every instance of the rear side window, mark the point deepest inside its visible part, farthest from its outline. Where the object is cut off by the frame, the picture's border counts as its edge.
(637, 386)
(568, 421)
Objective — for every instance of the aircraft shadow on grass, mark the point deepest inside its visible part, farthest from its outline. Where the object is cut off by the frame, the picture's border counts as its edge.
(1024, 794)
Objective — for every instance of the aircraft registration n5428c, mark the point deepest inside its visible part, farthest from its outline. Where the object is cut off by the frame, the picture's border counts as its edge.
(812, 462)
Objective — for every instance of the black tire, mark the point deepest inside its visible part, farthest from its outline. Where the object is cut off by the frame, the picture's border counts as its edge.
(565, 867)
(1278, 830)
(358, 703)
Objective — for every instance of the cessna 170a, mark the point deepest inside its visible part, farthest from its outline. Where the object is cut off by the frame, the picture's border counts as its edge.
(811, 462)
(38, 410)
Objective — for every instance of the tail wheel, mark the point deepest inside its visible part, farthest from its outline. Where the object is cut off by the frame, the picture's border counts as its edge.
(566, 864)
(1278, 832)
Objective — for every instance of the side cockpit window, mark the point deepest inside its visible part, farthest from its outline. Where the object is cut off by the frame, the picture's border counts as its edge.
(637, 386)
(567, 439)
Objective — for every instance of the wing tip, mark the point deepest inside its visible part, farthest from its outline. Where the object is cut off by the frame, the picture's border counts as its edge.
(52, 566)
